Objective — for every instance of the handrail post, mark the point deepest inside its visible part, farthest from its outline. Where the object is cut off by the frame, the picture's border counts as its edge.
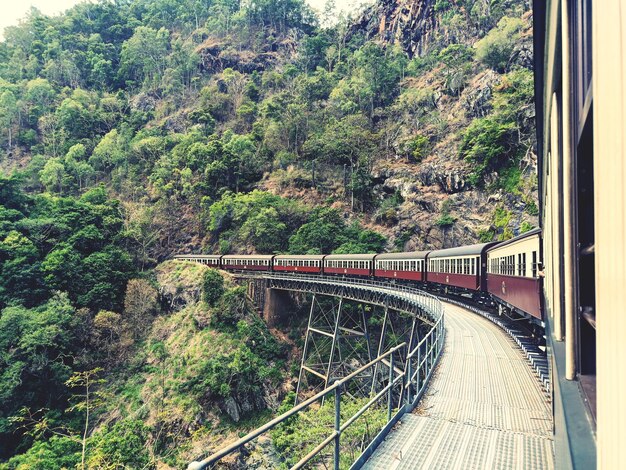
(419, 368)
(390, 391)
(337, 426)
(408, 378)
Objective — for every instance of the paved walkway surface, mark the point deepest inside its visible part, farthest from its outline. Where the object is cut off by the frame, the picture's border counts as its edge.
(484, 407)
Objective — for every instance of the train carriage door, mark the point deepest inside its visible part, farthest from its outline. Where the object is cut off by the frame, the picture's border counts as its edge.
(478, 270)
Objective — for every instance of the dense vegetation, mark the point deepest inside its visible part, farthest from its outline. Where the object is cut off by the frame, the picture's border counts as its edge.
(133, 129)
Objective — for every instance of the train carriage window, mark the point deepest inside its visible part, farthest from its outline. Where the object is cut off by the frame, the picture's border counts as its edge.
(534, 264)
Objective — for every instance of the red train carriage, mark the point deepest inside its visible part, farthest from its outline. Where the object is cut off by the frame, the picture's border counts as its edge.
(349, 265)
(410, 266)
(247, 262)
(463, 267)
(513, 273)
(310, 264)
(209, 260)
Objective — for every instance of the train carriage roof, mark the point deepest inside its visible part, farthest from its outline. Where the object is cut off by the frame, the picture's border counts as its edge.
(530, 233)
(351, 257)
(406, 255)
(315, 257)
(248, 256)
(191, 255)
(461, 250)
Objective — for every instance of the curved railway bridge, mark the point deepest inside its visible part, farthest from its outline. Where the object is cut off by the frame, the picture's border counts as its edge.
(457, 390)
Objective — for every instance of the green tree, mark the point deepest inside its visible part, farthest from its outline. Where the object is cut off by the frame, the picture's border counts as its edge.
(9, 113)
(320, 235)
(37, 346)
(457, 60)
(53, 175)
(143, 56)
(21, 279)
(110, 152)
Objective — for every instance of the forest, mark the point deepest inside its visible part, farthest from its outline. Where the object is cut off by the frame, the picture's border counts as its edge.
(131, 130)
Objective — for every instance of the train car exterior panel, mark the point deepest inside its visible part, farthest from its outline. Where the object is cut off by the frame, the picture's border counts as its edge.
(464, 281)
(520, 292)
(247, 262)
(402, 275)
(308, 264)
(516, 263)
(298, 269)
(347, 271)
(246, 267)
(208, 260)
(349, 265)
(409, 266)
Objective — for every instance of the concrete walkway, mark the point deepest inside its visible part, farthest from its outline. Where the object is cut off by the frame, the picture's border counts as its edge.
(484, 407)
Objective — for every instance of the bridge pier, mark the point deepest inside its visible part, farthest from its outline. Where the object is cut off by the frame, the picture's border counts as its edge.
(277, 304)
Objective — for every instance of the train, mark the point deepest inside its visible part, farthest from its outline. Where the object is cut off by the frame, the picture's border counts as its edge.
(503, 274)
(580, 104)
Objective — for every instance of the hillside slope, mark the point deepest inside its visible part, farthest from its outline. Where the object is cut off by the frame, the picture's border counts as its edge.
(133, 130)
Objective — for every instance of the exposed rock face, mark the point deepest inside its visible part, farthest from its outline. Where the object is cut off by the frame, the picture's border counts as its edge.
(237, 406)
(410, 23)
(215, 56)
(476, 99)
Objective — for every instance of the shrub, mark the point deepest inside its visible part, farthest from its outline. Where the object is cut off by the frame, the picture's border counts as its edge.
(445, 220)
(531, 206)
(494, 50)
(123, 445)
(486, 236)
(488, 143)
(212, 287)
(419, 147)
(298, 435)
(526, 227)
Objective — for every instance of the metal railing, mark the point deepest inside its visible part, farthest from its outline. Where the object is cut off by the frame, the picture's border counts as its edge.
(412, 381)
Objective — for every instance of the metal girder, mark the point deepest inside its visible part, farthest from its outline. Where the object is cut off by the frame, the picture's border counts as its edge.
(352, 290)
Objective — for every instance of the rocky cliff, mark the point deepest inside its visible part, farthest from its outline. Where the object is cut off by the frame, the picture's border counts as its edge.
(408, 23)
(445, 201)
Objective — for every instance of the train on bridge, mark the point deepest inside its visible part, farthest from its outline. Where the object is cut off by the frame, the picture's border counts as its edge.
(506, 274)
